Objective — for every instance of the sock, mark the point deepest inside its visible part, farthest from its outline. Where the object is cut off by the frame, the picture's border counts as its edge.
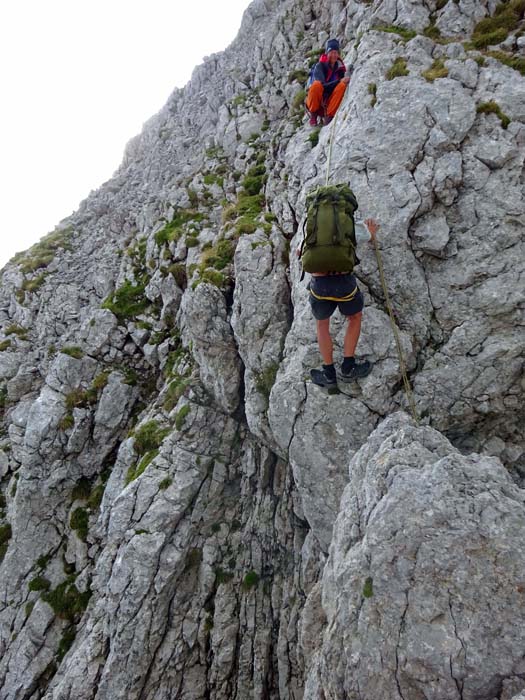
(348, 363)
(329, 370)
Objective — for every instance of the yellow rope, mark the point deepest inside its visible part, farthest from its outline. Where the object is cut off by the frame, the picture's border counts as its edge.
(408, 389)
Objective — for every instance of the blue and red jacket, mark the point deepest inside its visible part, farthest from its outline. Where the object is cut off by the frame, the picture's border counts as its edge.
(327, 75)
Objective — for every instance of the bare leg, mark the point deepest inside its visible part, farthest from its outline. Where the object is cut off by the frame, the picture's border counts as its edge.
(326, 346)
(353, 331)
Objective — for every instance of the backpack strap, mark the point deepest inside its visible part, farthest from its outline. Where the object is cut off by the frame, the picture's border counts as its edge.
(336, 239)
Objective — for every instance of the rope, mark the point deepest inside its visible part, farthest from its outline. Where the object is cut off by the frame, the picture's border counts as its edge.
(329, 160)
(408, 389)
(402, 366)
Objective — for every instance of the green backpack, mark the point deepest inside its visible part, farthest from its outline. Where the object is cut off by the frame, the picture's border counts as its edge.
(329, 243)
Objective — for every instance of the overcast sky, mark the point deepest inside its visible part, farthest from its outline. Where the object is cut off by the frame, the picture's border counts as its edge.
(78, 80)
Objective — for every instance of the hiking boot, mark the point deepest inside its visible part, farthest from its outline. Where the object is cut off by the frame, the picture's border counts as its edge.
(327, 120)
(323, 377)
(358, 370)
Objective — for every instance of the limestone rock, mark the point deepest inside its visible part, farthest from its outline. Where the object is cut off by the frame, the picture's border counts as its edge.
(404, 589)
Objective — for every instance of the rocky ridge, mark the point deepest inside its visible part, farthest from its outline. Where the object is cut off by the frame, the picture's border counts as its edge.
(182, 513)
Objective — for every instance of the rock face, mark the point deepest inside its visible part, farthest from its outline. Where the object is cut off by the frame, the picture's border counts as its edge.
(171, 522)
(426, 600)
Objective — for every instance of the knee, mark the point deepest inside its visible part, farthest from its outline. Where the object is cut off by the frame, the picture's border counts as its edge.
(323, 326)
(316, 87)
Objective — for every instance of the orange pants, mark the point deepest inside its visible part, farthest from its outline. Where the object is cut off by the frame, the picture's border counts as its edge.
(315, 103)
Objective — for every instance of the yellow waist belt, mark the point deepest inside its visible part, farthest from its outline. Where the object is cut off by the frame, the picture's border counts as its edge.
(348, 297)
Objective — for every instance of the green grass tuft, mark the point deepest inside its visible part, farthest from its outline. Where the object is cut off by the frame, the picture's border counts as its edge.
(494, 108)
(39, 583)
(436, 70)
(250, 580)
(265, 380)
(403, 32)
(398, 69)
(79, 522)
(66, 642)
(149, 437)
(368, 590)
(82, 489)
(66, 600)
(180, 419)
(516, 62)
(128, 301)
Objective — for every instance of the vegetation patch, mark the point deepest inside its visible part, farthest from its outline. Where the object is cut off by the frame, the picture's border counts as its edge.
(128, 301)
(254, 180)
(220, 255)
(493, 30)
(4, 345)
(67, 601)
(165, 483)
(5, 536)
(213, 179)
(222, 576)
(100, 381)
(300, 75)
(217, 279)
(43, 252)
(265, 380)
(368, 590)
(149, 437)
(67, 422)
(43, 561)
(176, 228)
(66, 642)
(81, 490)
(79, 522)
(398, 69)
(95, 498)
(516, 62)
(31, 285)
(181, 416)
(73, 351)
(178, 270)
(193, 558)
(313, 136)
(174, 392)
(403, 32)
(372, 90)
(39, 583)
(298, 100)
(140, 468)
(432, 32)
(493, 107)
(191, 241)
(436, 70)
(15, 329)
(79, 398)
(250, 580)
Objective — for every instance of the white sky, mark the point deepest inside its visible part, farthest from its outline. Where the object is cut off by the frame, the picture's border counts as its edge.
(78, 79)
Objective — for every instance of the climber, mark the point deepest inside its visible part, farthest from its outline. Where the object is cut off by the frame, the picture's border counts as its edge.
(339, 290)
(329, 80)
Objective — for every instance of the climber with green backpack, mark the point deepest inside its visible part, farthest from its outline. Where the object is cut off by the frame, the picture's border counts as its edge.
(328, 253)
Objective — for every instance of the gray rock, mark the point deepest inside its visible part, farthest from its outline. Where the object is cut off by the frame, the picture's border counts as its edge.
(404, 589)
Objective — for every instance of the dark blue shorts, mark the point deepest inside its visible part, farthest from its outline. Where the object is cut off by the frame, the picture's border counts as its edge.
(335, 291)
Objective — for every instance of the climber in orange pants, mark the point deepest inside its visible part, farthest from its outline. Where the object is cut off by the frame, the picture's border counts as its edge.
(329, 81)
